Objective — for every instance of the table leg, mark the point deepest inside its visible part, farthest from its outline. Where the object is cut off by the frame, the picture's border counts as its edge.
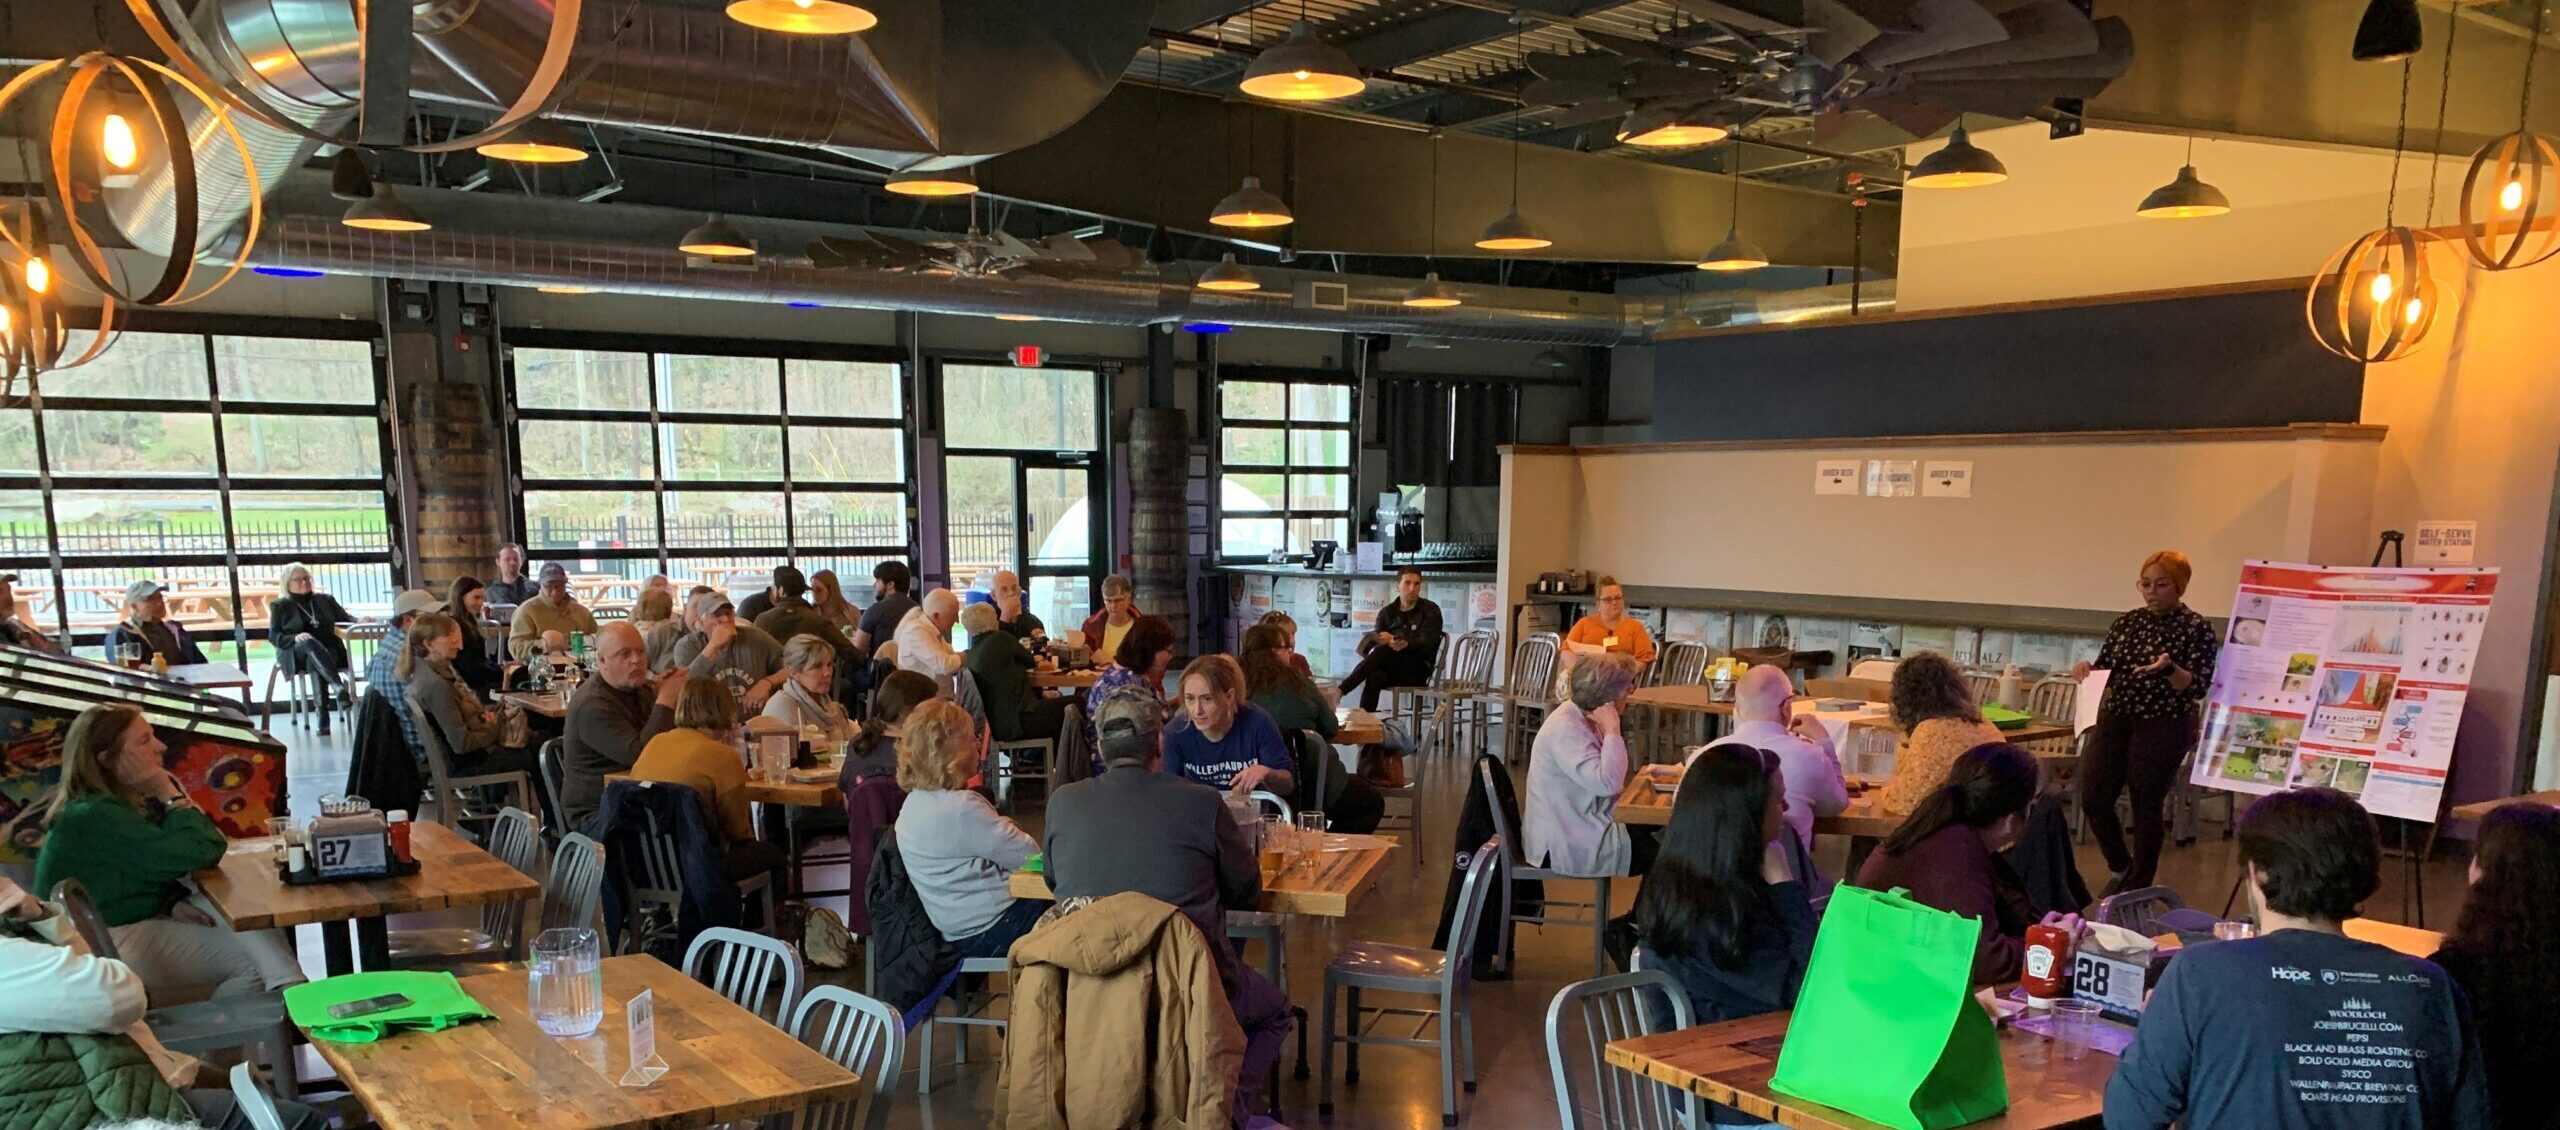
(1860, 847)
(373, 942)
(337, 949)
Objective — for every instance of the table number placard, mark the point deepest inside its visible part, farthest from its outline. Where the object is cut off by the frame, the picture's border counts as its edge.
(640, 1016)
(2114, 983)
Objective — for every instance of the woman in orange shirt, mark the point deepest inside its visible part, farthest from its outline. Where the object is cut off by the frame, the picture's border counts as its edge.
(1609, 628)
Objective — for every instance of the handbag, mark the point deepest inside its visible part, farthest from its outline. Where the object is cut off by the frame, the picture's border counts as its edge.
(1886, 1027)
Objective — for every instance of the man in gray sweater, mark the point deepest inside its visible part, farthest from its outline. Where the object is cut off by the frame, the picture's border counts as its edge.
(612, 717)
(1137, 828)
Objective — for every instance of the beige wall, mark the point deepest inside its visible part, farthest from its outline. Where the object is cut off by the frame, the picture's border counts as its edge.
(1541, 516)
(2050, 524)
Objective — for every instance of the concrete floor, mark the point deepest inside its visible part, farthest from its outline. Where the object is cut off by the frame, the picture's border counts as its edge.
(1399, 1087)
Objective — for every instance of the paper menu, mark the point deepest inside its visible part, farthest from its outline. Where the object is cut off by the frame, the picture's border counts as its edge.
(2093, 693)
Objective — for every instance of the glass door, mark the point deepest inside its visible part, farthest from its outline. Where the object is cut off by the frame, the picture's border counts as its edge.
(1034, 513)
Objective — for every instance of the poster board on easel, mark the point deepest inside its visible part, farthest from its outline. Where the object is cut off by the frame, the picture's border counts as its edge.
(2347, 677)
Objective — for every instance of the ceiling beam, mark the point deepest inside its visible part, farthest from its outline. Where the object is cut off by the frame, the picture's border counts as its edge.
(1441, 30)
(1185, 15)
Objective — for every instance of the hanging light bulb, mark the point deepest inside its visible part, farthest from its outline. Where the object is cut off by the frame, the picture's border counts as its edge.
(804, 17)
(1228, 275)
(383, 211)
(1734, 253)
(536, 142)
(2381, 288)
(2376, 299)
(1432, 294)
(947, 182)
(1513, 231)
(715, 237)
(2513, 225)
(117, 144)
(1251, 206)
(2416, 309)
(1959, 164)
(1303, 68)
(2185, 197)
(39, 276)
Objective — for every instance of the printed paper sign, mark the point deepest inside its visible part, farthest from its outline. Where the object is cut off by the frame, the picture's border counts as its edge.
(642, 1015)
(2348, 678)
(1893, 478)
(2444, 543)
(1836, 476)
(1947, 480)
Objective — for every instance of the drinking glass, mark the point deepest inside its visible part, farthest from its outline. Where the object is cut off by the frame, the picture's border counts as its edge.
(2075, 1024)
(1311, 839)
(1276, 834)
(131, 653)
(2234, 931)
(567, 991)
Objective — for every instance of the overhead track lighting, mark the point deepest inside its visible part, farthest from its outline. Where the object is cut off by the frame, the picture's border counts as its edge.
(1251, 206)
(1669, 129)
(944, 182)
(1303, 68)
(1432, 294)
(536, 142)
(1227, 275)
(716, 238)
(2186, 197)
(804, 17)
(1960, 164)
(383, 211)
(2389, 31)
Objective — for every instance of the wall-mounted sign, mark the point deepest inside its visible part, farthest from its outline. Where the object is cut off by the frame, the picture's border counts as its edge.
(2443, 543)
(1836, 476)
(1893, 478)
(1947, 480)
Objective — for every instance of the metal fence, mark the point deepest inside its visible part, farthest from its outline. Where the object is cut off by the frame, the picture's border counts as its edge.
(146, 536)
(979, 537)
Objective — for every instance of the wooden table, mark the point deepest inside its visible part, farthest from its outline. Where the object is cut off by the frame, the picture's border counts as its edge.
(813, 794)
(1731, 1062)
(451, 873)
(724, 1064)
(2477, 809)
(1074, 680)
(1359, 727)
(1329, 892)
(210, 676)
(549, 704)
(1641, 804)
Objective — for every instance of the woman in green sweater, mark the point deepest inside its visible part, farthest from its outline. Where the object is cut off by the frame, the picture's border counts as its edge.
(1351, 804)
(123, 827)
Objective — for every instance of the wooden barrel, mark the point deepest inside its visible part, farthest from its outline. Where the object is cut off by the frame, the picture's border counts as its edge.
(1159, 549)
(458, 480)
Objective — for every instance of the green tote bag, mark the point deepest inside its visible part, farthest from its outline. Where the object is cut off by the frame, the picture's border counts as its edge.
(1886, 1028)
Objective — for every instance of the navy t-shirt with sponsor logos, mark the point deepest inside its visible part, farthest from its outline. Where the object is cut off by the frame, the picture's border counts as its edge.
(1253, 739)
(2301, 1030)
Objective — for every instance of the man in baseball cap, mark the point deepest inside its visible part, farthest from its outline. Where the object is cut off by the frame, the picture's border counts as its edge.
(16, 632)
(741, 656)
(546, 622)
(148, 628)
(380, 673)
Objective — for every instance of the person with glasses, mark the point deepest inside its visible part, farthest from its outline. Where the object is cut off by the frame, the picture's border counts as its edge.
(1608, 628)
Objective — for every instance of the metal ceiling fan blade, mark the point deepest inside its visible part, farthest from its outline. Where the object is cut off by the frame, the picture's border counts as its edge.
(1765, 17)
(1593, 67)
(2110, 60)
(1653, 81)
(1584, 115)
(1566, 92)
(1915, 116)
(1840, 31)
(1944, 26)
(1628, 46)
(903, 248)
(1006, 245)
(2007, 99)
(1065, 247)
(1114, 256)
(2045, 29)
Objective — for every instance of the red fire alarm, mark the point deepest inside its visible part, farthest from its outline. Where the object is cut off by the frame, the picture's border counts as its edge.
(1027, 356)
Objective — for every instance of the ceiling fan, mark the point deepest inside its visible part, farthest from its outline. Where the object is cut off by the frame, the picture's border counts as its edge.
(978, 254)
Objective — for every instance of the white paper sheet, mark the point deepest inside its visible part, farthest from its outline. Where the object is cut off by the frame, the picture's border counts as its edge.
(2084, 711)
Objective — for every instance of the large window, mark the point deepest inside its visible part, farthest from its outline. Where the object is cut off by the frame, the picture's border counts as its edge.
(709, 468)
(1285, 453)
(1019, 483)
(207, 462)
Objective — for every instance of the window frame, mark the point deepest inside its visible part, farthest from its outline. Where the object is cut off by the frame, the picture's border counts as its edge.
(1093, 462)
(1288, 469)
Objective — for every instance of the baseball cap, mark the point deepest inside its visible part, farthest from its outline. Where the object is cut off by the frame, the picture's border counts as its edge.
(552, 571)
(415, 600)
(142, 590)
(1127, 714)
(709, 604)
(790, 581)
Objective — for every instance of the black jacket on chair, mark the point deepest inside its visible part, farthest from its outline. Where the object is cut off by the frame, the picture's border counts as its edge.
(914, 958)
(710, 899)
(2044, 861)
(1475, 826)
(383, 770)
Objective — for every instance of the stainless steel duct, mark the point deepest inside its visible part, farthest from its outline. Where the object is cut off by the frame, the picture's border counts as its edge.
(631, 249)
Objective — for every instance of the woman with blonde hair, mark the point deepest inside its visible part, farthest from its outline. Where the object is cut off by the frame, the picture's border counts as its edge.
(655, 607)
(826, 594)
(957, 848)
(125, 828)
(2160, 660)
(302, 625)
(807, 699)
(701, 753)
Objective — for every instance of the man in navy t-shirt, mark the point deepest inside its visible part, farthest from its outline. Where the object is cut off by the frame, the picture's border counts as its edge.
(2302, 1027)
(1230, 744)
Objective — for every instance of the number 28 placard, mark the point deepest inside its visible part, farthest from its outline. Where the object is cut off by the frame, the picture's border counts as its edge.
(2114, 983)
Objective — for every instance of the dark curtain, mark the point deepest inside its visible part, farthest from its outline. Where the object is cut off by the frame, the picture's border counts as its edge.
(1445, 433)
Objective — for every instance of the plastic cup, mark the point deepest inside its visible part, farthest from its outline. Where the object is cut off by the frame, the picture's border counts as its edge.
(2075, 1025)
(2234, 931)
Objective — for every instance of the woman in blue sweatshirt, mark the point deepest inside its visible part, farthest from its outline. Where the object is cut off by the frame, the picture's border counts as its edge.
(1723, 910)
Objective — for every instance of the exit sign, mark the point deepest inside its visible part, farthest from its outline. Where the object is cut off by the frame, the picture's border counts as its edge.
(1027, 356)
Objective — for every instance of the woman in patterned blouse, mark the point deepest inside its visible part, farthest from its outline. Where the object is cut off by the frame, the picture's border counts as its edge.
(2160, 657)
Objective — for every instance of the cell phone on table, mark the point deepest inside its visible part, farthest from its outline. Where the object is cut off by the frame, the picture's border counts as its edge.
(349, 1010)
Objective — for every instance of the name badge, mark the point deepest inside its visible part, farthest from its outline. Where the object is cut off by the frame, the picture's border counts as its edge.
(1611, 641)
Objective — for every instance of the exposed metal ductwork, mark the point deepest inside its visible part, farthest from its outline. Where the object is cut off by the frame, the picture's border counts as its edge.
(631, 250)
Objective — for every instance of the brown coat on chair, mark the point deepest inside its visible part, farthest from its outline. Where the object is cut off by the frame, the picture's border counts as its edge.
(1119, 1020)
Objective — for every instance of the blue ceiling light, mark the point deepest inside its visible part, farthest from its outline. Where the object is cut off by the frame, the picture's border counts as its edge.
(802, 305)
(287, 272)
(1208, 327)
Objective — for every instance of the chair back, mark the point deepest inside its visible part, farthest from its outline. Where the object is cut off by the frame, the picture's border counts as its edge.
(574, 894)
(1502, 833)
(1315, 768)
(863, 1036)
(2054, 700)
(1469, 919)
(1683, 664)
(2140, 910)
(548, 761)
(516, 839)
(657, 877)
(83, 913)
(1985, 686)
(744, 968)
(1471, 660)
(1765, 656)
(964, 690)
(1592, 1014)
(256, 1107)
(1267, 800)
(1880, 670)
(1533, 667)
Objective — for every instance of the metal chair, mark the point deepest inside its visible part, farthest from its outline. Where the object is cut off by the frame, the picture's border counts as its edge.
(453, 809)
(863, 1036)
(1406, 702)
(969, 1016)
(1608, 1009)
(657, 884)
(1985, 685)
(2151, 911)
(517, 842)
(1528, 684)
(1516, 867)
(304, 686)
(549, 761)
(257, 1021)
(1005, 769)
(1463, 677)
(1272, 930)
(743, 968)
(1425, 972)
(573, 896)
(256, 1106)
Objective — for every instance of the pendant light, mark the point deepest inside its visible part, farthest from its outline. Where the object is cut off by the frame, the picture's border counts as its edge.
(2378, 296)
(565, 288)
(1431, 293)
(2388, 32)
(2186, 197)
(1251, 206)
(1670, 129)
(384, 212)
(1960, 164)
(1734, 253)
(2512, 193)
(1227, 275)
(962, 181)
(536, 142)
(1303, 68)
(804, 17)
(1513, 232)
(714, 237)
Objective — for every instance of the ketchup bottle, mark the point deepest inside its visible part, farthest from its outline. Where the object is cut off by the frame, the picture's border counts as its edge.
(397, 830)
(2048, 965)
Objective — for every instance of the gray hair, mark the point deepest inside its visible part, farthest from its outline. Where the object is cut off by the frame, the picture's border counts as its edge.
(941, 602)
(1599, 680)
(979, 618)
(1115, 585)
(807, 650)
